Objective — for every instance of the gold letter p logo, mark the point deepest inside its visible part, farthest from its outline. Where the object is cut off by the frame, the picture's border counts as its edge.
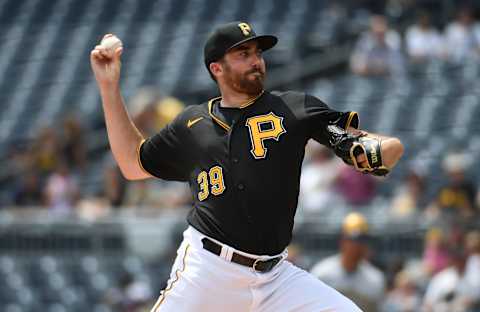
(259, 135)
(245, 28)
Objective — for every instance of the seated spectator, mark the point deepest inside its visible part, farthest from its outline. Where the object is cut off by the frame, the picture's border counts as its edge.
(349, 271)
(157, 194)
(472, 245)
(72, 143)
(318, 178)
(435, 253)
(423, 41)
(455, 288)
(29, 191)
(151, 113)
(131, 295)
(61, 191)
(456, 199)
(377, 52)
(46, 151)
(356, 188)
(114, 185)
(462, 37)
(404, 297)
(407, 199)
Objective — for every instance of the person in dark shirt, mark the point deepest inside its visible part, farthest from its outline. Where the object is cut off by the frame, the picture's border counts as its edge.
(241, 153)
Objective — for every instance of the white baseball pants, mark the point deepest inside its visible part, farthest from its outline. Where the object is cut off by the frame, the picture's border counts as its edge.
(201, 281)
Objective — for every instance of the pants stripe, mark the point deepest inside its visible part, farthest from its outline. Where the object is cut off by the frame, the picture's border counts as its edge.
(169, 287)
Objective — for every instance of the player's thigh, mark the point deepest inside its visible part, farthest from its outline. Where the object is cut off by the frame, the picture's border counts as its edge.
(194, 285)
(296, 290)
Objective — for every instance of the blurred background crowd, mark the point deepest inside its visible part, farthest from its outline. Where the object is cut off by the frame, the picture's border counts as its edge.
(76, 236)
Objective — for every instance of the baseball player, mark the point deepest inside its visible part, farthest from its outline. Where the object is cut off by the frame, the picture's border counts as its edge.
(241, 154)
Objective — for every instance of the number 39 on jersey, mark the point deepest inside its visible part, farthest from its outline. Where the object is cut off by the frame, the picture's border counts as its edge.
(210, 183)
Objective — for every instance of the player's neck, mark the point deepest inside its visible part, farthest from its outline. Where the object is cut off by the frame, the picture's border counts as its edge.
(237, 100)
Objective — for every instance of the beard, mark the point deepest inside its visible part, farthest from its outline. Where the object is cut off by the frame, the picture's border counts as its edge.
(243, 82)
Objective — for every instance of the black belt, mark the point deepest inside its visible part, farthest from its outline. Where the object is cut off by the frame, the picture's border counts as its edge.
(258, 265)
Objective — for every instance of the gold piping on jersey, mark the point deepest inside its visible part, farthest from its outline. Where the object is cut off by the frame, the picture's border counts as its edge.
(177, 277)
(138, 158)
(243, 105)
(215, 118)
(252, 100)
(350, 118)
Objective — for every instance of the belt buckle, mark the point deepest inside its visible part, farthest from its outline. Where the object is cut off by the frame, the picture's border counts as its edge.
(254, 266)
(271, 263)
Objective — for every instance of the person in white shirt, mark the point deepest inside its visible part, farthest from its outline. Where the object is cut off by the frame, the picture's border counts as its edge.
(423, 41)
(349, 271)
(455, 288)
(462, 37)
(377, 51)
(318, 179)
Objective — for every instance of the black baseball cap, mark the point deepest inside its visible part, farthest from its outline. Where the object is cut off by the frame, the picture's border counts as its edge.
(228, 36)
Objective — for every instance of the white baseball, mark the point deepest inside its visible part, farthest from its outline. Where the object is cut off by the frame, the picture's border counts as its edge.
(111, 43)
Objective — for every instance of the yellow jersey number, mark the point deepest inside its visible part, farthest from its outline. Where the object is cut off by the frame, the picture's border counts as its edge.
(210, 183)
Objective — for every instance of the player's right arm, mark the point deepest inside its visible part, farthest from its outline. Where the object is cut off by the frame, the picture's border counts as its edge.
(123, 136)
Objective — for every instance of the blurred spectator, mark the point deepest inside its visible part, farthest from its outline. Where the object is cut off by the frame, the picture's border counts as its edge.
(472, 243)
(318, 178)
(349, 271)
(142, 110)
(72, 143)
(20, 159)
(29, 191)
(157, 193)
(377, 52)
(61, 190)
(454, 288)
(114, 185)
(462, 37)
(435, 253)
(404, 297)
(456, 199)
(151, 112)
(130, 295)
(355, 188)
(46, 151)
(296, 255)
(407, 199)
(423, 41)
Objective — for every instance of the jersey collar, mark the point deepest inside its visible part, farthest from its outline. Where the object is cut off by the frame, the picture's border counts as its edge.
(220, 122)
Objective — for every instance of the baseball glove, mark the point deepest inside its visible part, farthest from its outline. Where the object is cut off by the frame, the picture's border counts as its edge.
(349, 146)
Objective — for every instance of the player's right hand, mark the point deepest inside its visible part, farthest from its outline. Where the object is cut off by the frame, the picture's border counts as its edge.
(106, 64)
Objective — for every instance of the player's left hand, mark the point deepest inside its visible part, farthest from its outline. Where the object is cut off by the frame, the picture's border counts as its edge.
(358, 149)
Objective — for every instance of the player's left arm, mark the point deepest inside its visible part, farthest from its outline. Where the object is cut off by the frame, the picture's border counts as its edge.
(367, 152)
(391, 148)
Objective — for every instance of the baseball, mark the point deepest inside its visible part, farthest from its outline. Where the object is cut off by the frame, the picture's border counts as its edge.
(111, 43)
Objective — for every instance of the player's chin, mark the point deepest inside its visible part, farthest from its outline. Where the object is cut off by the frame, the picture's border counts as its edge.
(254, 87)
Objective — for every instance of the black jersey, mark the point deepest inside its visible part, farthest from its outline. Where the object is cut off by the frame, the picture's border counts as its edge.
(244, 172)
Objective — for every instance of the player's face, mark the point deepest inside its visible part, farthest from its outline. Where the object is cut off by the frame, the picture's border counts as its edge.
(244, 69)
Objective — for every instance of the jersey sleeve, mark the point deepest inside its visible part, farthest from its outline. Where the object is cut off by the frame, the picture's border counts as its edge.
(165, 154)
(318, 116)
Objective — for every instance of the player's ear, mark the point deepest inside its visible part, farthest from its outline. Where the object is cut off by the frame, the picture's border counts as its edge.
(216, 69)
